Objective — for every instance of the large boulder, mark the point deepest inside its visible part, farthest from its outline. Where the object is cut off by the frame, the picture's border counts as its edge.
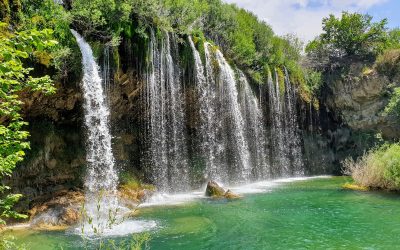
(214, 190)
(59, 213)
(230, 195)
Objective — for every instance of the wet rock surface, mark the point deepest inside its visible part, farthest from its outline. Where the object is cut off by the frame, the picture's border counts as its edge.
(59, 213)
(215, 191)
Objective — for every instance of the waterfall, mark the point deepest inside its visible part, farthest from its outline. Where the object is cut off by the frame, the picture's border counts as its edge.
(224, 144)
(101, 177)
(280, 159)
(293, 140)
(286, 143)
(255, 129)
(212, 145)
(230, 140)
(229, 93)
(167, 153)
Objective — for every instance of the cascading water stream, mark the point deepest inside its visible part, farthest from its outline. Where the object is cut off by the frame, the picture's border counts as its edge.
(224, 143)
(212, 145)
(233, 142)
(286, 150)
(165, 119)
(101, 177)
(106, 72)
(255, 129)
(228, 90)
(293, 141)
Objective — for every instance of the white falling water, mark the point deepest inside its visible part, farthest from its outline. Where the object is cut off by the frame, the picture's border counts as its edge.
(212, 146)
(286, 143)
(165, 113)
(224, 143)
(255, 129)
(228, 90)
(231, 137)
(101, 177)
(292, 127)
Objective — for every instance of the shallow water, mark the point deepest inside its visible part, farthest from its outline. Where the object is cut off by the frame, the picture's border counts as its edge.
(305, 214)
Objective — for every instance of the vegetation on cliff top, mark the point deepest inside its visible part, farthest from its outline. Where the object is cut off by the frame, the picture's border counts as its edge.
(353, 37)
(248, 42)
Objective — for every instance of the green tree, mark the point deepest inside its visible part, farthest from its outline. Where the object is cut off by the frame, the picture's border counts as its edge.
(352, 34)
(394, 39)
(101, 18)
(16, 48)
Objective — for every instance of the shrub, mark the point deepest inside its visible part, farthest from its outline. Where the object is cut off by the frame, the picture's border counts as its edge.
(393, 107)
(388, 63)
(379, 168)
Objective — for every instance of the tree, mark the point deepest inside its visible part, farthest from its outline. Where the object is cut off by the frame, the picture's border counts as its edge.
(17, 48)
(394, 39)
(101, 18)
(352, 35)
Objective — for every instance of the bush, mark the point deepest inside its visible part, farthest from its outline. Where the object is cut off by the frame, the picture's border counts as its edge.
(388, 63)
(393, 107)
(379, 168)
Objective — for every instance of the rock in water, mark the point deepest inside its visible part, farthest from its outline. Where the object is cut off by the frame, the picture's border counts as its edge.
(214, 190)
(59, 213)
(230, 195)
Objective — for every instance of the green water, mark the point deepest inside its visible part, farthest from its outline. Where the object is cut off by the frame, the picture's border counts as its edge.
(312, 214)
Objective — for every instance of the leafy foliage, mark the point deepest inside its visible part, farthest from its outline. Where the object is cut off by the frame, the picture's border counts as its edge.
(63, 57)
(8, 243)
(393, 108)
(351, 35)
(247, 41)
(394, 39)
(15, 49)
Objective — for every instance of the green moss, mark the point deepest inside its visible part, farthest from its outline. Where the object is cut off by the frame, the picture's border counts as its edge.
(281, 81)
(199, 41)
(116, 58)
(130, 181)
(97, 48)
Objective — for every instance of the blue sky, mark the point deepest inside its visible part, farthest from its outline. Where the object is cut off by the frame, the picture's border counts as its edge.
(303, 17)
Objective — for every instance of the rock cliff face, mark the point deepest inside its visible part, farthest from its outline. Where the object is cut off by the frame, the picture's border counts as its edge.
(359, 99)
(57, 156)
(351, 106)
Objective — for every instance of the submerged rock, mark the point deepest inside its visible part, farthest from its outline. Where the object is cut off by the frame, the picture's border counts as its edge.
(131, 196)
(214, 190)
(355, 187)
(59, 213)
(230, 195)
(64, 210)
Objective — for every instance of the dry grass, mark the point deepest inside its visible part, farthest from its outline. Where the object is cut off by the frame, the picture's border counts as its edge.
(388, 63)
(379, 168)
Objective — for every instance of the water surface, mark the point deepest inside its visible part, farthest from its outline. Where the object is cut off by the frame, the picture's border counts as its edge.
(310, 214)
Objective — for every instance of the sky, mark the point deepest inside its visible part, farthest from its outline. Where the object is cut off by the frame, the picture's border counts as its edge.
(304, 17)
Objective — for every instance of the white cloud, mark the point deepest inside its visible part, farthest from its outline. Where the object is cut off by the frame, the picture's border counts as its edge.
(301, 17)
